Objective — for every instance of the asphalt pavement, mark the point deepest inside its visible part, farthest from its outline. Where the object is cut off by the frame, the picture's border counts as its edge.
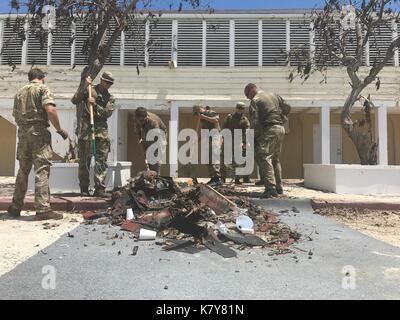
(331, 261)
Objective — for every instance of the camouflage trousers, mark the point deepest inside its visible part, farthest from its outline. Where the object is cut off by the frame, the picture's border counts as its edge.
(100, 168)
(153, 166)
(34, 148)
(268, 146)
(214, 148)
(228, 170)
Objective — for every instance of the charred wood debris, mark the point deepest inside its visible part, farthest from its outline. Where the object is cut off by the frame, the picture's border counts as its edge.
(191, 218)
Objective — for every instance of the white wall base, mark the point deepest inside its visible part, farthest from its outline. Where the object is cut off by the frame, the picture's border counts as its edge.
(353, 179)
(64, 177)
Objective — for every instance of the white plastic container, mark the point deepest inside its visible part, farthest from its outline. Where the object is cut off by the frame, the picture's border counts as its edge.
(146, 234)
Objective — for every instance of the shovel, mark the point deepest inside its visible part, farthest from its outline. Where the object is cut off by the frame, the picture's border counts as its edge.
(93, 136)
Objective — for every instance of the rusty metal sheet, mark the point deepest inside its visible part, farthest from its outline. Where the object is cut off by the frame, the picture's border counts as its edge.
(216, 201)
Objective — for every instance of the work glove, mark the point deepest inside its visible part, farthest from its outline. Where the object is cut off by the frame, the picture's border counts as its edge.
(63, 134)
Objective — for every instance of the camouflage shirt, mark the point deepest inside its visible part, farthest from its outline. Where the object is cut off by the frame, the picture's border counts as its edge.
(105, 105)
(208, 125)
(152, 122)
(237, 121)
(30, 102)
(265, 110)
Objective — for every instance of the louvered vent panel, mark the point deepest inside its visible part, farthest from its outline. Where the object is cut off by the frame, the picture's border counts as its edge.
(115, 53)
(12, 42)
(61, 46)
(322, 54)
(81, 46)
(350, 39)
(135, 39)
(299, 41)
(274, 43)
(190, 40)
(217, 43)
(37, 45)
(379, 43)
(246, 43)
(160, 42)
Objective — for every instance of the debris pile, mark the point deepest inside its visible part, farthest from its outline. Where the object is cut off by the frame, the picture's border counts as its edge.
(190, 218)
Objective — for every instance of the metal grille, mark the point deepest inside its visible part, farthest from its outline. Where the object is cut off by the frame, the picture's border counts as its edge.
(61, 44)
(37, 46)
(299, 41)
(274, 43)
(246, 43)
(379, 42)
(12, 42)
(81, 50)
(322, 54)
(217, 43)
(135, 43)
(190, 40)
(115, 52)
(160, 42)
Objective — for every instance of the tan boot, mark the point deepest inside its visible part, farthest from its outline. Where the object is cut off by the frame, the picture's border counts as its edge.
(50, 215)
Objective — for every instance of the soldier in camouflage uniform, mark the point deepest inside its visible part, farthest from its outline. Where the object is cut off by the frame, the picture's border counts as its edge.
(236, 121)
(209, 120)
(146, 121)
(103, 106)
(34, 107)
(267, 121)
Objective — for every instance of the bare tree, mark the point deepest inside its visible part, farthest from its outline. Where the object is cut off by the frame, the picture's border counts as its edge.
(102, 21)
(346, 28)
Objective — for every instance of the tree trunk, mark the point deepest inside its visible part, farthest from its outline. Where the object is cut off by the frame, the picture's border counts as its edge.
(365, 146)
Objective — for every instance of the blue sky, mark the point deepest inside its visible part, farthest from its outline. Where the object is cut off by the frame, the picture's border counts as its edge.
(225, 4)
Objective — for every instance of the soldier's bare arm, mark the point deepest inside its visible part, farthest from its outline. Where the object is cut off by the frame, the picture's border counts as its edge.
(54, 120)
(212, 120)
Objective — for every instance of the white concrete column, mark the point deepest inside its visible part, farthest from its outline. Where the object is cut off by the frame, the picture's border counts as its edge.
(367, 56)
(312, 42)
(325, 135)
(382, 134)
(287, 35)
(49, 46)
(114, 136)
(232, 43)
(24, 58)
(1, 37)
(395, 35)
(122, 50)
(73, 44)
(174, 45)
(173, 139)
(260, 43)
(146, 48)
(204, 44)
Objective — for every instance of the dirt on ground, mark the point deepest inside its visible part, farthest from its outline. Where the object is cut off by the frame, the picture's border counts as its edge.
(21, 239)
(381, 225)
